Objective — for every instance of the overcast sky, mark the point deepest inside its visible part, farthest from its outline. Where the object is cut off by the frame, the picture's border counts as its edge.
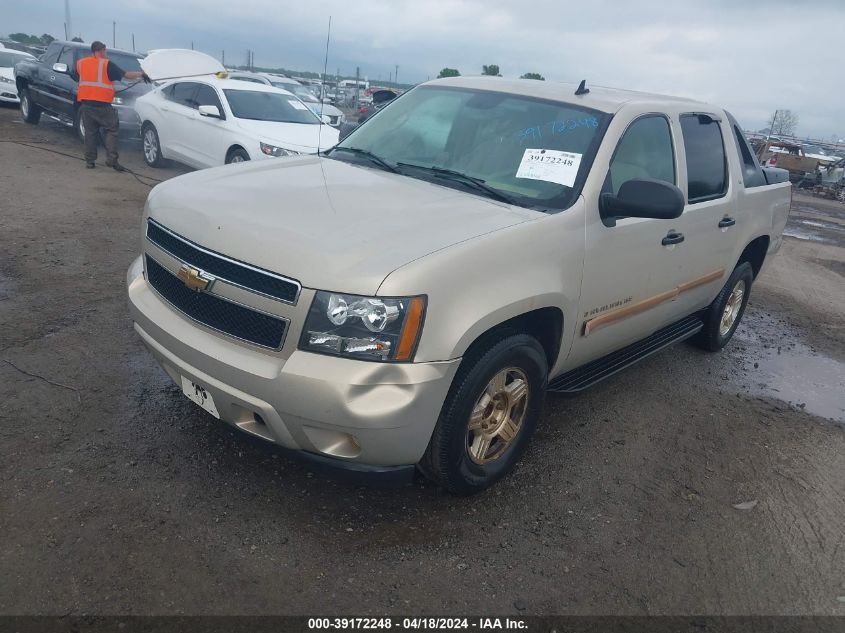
(749, 56)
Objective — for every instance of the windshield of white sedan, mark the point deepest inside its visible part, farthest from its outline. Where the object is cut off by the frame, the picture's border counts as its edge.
(269, 106)
(8, 60)
(528, 151)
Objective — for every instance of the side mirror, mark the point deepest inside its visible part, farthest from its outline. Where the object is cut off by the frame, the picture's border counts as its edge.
(210, 110)
(642, 198)
(326, 119)
(60, 68)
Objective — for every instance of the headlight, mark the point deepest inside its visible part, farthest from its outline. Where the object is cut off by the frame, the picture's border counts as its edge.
(6, 80)
(272, 150)
(369, 328)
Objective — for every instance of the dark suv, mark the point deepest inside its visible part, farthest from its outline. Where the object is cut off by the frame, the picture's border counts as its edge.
(46, 86)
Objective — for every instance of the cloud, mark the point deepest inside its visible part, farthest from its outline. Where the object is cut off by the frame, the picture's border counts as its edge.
(750, 57)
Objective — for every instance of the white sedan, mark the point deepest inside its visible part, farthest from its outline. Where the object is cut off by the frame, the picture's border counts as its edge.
(207, 121)
(8, 58)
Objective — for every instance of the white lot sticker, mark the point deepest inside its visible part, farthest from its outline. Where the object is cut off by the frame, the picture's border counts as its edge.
(198, 394)
(298, 105)
(550, 165)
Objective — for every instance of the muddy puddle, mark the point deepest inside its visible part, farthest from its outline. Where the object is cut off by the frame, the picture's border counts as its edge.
(776, 365)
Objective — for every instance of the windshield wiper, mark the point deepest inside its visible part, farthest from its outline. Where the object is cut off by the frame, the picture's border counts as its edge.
(373, 158)
(477, 183)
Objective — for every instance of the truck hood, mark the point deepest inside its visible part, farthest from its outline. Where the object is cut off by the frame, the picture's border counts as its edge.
(300, 137)
(329, 224)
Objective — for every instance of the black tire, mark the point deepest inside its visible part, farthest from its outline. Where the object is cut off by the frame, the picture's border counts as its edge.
(78, 126)
(447, 459)
(711, 337)
(237, 155)
(30, 112)
(151, 145)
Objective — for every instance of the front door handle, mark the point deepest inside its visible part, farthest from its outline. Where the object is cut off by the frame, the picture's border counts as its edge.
(672, 237)
(726, 221)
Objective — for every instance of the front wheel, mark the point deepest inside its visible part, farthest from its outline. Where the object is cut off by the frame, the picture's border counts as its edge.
(30, 112)
(237, 155)
(489, 415)
(722, 317)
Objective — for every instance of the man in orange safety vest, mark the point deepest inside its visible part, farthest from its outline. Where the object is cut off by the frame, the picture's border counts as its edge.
(96, 76)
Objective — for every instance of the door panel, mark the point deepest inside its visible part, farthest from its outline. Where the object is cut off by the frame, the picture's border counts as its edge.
(211, 135)
(629, 274)
(710, 216)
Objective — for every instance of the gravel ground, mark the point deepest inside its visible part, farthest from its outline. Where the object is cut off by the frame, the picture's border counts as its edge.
(119, 496)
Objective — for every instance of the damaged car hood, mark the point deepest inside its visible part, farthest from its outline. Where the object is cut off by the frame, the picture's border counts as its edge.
(329, 224)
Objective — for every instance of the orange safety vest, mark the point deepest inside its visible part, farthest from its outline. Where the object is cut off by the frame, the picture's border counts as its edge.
(94, 82)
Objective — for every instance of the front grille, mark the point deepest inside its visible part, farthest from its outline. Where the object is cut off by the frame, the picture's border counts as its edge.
(230, 270)
(219, 314)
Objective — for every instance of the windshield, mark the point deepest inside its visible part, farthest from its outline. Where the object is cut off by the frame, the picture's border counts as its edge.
(530, 150)
(303, 93)
(8, 60)
(128, 63)
(269, 106)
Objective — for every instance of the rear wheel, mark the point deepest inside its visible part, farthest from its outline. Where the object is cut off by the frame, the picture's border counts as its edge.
(722, 317)
(151, 145)
(79, 125)
(489, 415)
(237, 155)
(30, 112)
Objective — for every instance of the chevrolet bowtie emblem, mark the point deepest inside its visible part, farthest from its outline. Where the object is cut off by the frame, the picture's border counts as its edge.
(194, 279)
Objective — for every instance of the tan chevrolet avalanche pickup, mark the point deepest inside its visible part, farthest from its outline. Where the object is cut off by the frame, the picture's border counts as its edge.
(406, 299)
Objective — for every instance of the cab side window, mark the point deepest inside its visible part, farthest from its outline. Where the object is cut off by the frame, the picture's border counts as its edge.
(206, 95)
(645, 151)
(52, 54)
(707, 166)
(183, 94)
(67, 58)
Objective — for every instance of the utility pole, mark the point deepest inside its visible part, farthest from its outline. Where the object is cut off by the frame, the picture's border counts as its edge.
(113, 34)
(68, 23)
(192, 44)
(774, 119)
(133, 42)
(223, 58)
(396, 76)
(357, 79)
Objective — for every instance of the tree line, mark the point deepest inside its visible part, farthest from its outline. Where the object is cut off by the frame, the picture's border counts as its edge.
(491, 70)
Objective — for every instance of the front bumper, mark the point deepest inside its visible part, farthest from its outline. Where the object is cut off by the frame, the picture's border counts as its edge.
(9, 93)
(130, 122)
(367, 416)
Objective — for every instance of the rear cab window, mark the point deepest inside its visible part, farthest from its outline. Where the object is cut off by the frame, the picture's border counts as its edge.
(752, 173)
(707, 165)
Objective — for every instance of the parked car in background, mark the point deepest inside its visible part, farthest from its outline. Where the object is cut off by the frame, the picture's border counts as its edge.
(408, 298)
(207, 121)
(8, 58)
(45, 86)
(304, 93)
(379, 99)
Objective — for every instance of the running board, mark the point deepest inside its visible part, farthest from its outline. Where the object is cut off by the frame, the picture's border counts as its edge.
(595, 371)
(61, 120)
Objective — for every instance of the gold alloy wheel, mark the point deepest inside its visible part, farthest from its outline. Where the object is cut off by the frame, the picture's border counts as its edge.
(497, 416)
(732, 308)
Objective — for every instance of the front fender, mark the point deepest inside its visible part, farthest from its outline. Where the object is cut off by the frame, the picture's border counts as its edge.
(478, 284)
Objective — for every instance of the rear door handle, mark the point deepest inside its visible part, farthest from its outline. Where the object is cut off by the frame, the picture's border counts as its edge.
(672, 237)
(726, 221)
